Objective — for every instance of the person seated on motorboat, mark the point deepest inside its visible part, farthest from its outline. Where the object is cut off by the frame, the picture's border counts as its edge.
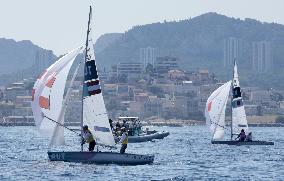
(123, 140)
(138, 130)
(147, 130)
(88, 138)
(130, 129)
(124, 124)
(249, 137)
(242, 135)
(135, 131)
(139, 126)
(117, 125)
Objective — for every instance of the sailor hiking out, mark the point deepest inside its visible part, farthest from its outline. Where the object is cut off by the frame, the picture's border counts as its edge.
(242, 135)
(249, 137)
(123, 140)
(88, 138)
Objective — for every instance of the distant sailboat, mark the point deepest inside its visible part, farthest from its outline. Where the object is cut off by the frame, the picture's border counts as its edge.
(215, 113)
(49, 106)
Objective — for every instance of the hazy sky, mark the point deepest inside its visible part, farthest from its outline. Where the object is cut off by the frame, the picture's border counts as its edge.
(60, 25)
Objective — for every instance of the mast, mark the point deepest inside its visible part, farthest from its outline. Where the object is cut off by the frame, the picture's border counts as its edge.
(232, 101)
(231, 116)
(86, 51)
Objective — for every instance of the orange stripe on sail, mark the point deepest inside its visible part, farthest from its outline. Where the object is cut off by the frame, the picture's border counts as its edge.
(44, 102)
(209, 106)
(50, 82)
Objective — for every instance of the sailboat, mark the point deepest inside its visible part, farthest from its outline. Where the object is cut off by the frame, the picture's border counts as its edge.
(49, 105)
(215, 113)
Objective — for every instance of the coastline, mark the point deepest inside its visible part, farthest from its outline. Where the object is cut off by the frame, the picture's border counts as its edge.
(151, 122)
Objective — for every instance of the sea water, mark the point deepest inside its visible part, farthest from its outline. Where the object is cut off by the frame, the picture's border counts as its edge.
(186, 154)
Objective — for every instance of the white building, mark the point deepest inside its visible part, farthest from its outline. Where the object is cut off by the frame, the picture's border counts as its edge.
(148, 55)
(261, 56)
(43, 59)
(233, 49)
(128, 68)
(164, 64)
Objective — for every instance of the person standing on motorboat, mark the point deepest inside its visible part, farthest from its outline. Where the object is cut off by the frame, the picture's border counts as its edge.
(123, 140)
(242, 135)
(124, 124)
(249, 137)
(117, 126)
(130, 129)
(88, 138)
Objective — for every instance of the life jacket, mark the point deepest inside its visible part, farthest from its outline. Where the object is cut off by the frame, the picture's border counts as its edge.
(125, 141)
(88, 136)
(249, 137)
(242, 135)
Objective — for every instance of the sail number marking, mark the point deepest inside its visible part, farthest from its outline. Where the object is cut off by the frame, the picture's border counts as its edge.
(57, 156)
(88, 70)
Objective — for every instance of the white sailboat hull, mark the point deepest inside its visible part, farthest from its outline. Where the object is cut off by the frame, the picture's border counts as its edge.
(101, 158)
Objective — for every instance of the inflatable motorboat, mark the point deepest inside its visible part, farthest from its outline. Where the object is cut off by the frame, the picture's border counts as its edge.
(135, 132)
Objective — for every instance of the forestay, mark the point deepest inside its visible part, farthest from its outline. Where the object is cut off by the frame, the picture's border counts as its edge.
(239, 120)
(215, 110)
(48, 92)
(94, 111)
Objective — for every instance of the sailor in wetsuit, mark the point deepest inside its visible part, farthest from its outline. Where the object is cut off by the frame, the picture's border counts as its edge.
(242, 135)
(249, 137)
(88, 138)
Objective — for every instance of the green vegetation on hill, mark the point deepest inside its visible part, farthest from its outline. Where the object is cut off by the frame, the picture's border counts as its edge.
(198, 43)
(17, 59)
(17, 56)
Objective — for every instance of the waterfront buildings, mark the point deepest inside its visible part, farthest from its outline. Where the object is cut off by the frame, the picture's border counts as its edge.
(174, 94)
(164, 64)
(129, 68)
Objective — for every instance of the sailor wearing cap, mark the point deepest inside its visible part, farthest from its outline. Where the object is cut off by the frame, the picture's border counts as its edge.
(88, 138)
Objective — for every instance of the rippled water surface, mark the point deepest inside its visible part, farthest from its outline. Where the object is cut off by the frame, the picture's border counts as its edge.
(184, 155)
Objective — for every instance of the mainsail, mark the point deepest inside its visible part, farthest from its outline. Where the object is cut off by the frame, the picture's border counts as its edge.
(94, 111)
(239, 120)
(215, 110)
(47, 95)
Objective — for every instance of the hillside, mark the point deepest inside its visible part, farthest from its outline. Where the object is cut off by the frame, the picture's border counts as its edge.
(198, 43)
(105, 40)
(19, 59)
(13, 54)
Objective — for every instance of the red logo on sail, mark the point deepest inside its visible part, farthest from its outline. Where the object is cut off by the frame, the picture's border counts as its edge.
(50, 82)
(209, 106)
(44, 102)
